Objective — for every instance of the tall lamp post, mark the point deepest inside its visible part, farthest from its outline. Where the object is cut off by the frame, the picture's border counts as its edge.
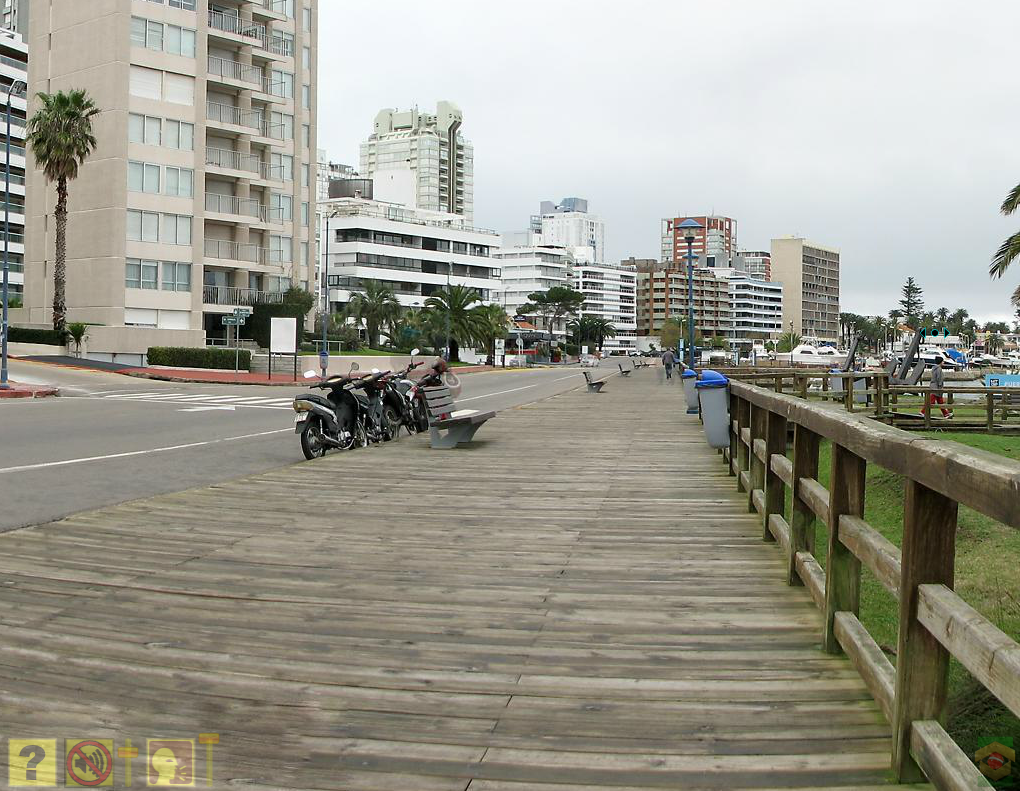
(689, 227)
(324, 352)
(17, 85)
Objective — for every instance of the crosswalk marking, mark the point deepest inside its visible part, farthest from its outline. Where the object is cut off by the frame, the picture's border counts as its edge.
(194, 399)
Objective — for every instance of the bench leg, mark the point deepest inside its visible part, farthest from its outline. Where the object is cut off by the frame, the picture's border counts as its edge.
(454, 436)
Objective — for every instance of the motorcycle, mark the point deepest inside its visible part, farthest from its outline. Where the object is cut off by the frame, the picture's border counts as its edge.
(329, 421)
(402, 400)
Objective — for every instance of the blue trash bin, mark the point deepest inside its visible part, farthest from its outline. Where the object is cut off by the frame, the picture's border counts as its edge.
(689, 379)
(714, 393)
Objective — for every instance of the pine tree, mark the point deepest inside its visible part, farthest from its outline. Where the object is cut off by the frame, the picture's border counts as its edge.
(912, 303)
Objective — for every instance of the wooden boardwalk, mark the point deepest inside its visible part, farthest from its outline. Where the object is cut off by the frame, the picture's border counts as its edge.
(578, 601)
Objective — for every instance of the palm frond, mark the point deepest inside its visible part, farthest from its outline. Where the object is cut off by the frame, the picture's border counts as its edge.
(1016, 297)
(1012, 201)
(1005, 255)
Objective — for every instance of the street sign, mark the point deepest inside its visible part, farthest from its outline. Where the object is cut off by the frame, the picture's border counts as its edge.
(243, 311)
(233, 321)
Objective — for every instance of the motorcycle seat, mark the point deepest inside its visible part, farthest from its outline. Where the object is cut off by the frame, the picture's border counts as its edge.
(317, 399)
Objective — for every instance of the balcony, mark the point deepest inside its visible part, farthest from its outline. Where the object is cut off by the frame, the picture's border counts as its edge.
(239, 72)
(255, 33)
(234, 116)
(224, 250)
(229, 204)
(247, 163)
(231, 295)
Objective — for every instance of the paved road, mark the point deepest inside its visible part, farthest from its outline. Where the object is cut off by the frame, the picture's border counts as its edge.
(112, 438)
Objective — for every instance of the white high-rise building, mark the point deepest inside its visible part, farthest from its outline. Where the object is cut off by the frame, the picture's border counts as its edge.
(756, 307)
(14, 66)
(421, 160)
(15, 16)
(569, 224)
(610, 292)
(526, 270)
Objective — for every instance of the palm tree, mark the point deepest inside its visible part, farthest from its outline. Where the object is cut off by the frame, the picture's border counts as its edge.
(1010, 248)
(592, 328)
(452, 309)
(60, 135)
(993, 343)
(788, 341)
(493, 323)
(376, 307)
(942, 315)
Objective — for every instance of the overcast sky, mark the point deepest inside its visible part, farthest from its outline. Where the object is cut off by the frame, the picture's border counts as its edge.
(885, 129)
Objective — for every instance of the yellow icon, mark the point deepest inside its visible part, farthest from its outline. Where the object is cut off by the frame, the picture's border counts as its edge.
(127, 752)
(171, 762)
(88, 762)
(208, 739)
(995, 760)
(31, 762)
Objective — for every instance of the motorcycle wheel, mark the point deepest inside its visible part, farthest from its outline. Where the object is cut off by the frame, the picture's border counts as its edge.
(391, 421)
(421, 416)
(312, 444)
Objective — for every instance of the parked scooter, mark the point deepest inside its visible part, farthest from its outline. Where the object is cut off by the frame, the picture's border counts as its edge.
(402, 408)
(329, 421)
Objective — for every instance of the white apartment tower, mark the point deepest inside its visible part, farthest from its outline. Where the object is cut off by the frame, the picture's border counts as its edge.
(14, 66)
(421, 160)
(526, 270)
(15, 16)
(201, 194)
(569, 224)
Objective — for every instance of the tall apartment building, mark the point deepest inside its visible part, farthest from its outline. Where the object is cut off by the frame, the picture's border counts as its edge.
(809, 273)
(422, 160)
(15, 16)
(756, 308)
(13, 67)
(413, 252)
(201, 194)
(663, 293)
(757, 263)
(569, 224)
(610, 292)
(716, 239)
(525, 270)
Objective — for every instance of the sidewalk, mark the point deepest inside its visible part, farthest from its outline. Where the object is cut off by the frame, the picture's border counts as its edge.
(28, 391)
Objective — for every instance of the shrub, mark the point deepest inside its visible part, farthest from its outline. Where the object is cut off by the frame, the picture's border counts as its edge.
(181, 357)
(43, 337)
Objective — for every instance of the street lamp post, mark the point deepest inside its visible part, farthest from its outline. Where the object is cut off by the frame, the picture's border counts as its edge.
(688, 227)
(449, 304)
(324, 352)
(4, 329)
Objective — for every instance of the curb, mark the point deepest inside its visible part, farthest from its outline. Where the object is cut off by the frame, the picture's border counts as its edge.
(38, 392)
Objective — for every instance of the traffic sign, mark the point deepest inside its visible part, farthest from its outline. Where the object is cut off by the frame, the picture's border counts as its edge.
(243, 311)
(233, 321)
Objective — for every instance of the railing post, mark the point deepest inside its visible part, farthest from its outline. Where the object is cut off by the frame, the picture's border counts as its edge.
(825, 387)
(990, 411)
(927, 408)
(879, 391)
(743, 421)
(842, 569)
(922, 664)
(802, 518)
(803, 386)
(848, 393)
(775, 489)
(734, 439)
(759, 415)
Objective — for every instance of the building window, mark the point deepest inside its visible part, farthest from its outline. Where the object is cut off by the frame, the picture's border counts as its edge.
(305, 175)
(304, 253)
(146, 83)
(180, 41)
(305, 215)
(306, 135)
(144, 129)
(186, 5)
(142, 226)
(176, 276)
(285, 121)
(176, 229)
(306, 20)
(306, 58)
(139, 273)
(281, 84)
(284, 165)
(306, 96)
(180, 135)
(282, 206)
(179, 89)
(280, 249)
(143, 177)
(180, 182)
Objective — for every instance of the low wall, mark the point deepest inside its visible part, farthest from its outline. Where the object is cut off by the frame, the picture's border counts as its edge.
(34, 349)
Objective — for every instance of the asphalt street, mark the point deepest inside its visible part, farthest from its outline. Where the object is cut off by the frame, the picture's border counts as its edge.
(110, 438)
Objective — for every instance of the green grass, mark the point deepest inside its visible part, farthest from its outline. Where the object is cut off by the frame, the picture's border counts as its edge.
(987, 558)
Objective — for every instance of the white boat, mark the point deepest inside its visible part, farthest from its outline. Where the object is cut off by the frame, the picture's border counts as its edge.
(807, 354)
(929, 352)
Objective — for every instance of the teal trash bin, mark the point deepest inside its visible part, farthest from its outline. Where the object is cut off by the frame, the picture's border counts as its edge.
(714, 393)
(690, 393)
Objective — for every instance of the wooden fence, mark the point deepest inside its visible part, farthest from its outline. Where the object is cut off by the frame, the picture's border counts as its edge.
(934, 623)
(974, 408)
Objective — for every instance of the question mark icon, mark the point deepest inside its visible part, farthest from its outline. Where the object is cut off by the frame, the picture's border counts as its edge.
(37, 753)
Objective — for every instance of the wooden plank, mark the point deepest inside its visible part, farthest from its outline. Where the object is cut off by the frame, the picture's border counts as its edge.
(743, 454)
(873, 549)
(759, 418)
(758, 501)
(922, 664)
(759, 449)
(941, 759)
(783, 468)
(780, 531)
(775, 489)
(812, 575)
(992, 657)
(806, 444)
(876, 670)
(842, 568)
(815, 495)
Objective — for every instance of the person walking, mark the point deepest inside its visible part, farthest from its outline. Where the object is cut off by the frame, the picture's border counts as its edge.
(938, 382)
(667, 363)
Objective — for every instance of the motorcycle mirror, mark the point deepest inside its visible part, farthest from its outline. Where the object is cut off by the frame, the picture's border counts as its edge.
(375, 370)
(311, 374)
(415, 351)
(355, 367)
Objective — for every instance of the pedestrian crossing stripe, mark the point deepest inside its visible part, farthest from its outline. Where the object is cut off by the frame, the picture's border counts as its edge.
(201, 399)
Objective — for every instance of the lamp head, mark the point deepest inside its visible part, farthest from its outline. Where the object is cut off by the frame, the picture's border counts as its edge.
(688, 229)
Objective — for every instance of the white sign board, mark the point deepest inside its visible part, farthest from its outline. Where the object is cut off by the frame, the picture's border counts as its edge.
(584, 350)
(283, 335)
(500, 345)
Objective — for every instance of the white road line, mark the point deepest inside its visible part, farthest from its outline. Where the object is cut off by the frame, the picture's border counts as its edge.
(492, 395)
(175, 402)
(67, 462)
(132, 395)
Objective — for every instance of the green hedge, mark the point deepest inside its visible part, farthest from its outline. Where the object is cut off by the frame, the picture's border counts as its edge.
(181, 357)
(44, 337)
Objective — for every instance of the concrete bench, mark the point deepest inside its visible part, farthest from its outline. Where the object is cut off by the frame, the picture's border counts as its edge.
(594, 385)
(459, 425)
(622, 371)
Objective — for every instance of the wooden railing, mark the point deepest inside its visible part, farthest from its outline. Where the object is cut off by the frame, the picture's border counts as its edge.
(934, 623)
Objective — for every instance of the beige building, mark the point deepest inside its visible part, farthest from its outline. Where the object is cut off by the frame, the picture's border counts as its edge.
(809, 273)
(201, 195)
